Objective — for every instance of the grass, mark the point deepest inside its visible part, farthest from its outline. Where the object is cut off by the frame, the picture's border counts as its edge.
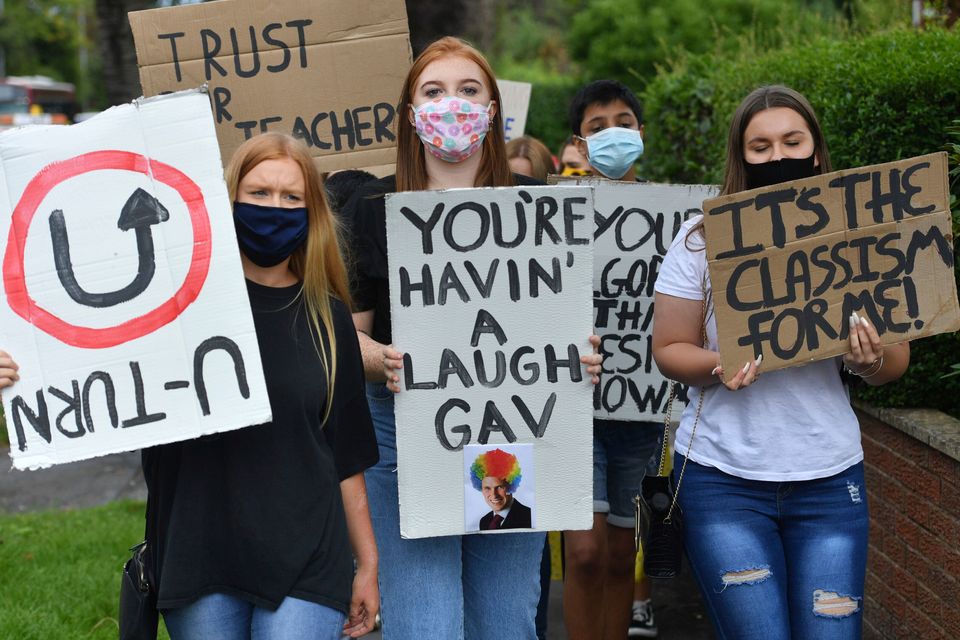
(60, 571)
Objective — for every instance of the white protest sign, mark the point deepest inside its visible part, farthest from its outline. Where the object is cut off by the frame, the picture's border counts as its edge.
(516, 103)
(490, 303)
(635, 224)
(123, 298)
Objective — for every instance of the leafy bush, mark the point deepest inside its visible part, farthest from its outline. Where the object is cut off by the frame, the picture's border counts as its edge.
(880, 98)
(628, 39)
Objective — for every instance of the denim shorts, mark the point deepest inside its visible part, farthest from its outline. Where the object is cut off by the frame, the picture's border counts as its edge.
(623, 452)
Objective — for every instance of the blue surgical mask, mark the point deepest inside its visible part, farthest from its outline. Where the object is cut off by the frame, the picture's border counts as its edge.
(269, 235)
(614, 150)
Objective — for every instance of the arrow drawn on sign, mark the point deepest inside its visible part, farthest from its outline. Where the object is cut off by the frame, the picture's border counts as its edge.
(140, 213)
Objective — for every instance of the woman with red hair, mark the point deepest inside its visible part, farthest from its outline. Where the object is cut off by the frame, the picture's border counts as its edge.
(481, 586)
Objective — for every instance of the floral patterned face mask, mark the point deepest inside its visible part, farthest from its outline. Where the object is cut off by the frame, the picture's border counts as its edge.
(451, 128)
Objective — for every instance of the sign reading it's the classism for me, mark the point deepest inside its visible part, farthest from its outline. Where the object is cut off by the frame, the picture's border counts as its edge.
(123, 297)
(490, 296)
(789, 263)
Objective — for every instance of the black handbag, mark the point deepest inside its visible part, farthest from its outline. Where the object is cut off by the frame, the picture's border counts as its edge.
(659, 520)
(138, 598)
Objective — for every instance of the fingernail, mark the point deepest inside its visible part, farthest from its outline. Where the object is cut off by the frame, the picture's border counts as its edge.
(716, 370)
(856, 316)
(759, 359)
(864, 322)
(746, 367)
(853, 320)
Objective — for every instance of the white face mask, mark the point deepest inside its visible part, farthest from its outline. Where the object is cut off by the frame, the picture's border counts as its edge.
(614, 150)
(451, 128)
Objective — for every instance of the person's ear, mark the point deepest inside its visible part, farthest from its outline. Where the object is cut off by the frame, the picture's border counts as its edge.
(411, 115)
(816, 160)
(581, 146)
(641, 132)
(492, 109)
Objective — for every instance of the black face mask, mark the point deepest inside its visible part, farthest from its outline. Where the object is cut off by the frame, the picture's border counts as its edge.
(765, 174)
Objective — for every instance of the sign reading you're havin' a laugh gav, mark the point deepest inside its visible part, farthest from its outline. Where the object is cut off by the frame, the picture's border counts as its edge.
(325, 71)
(791, 262)
(123, 297)
(490, 302)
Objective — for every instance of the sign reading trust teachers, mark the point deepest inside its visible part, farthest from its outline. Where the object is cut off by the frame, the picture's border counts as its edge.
(123, 297)
(491, 306)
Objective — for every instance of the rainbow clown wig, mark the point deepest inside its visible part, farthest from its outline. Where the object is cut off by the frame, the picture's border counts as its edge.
(498, 464)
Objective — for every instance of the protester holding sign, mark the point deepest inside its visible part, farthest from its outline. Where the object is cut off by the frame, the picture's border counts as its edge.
(772, 492)
(246, 529)
(481, 586)
(607, 124)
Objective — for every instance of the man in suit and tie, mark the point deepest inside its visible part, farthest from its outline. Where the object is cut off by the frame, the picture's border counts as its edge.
(497, 475)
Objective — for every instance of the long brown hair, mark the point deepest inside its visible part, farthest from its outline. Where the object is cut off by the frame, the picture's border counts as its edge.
(768, 97)
(411, 165)
(318, 262)
(534, 151)
(761, 99)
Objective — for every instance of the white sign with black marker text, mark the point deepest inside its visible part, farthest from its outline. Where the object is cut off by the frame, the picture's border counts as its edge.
(491, 305)
(635, 224)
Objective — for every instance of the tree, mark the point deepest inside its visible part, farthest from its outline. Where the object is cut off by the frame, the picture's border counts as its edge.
(119, 59)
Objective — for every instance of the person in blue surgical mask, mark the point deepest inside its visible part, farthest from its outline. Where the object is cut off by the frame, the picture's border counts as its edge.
(606, 120)
(607, 123)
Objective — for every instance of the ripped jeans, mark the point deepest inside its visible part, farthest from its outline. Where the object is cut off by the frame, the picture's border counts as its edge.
(777, 560)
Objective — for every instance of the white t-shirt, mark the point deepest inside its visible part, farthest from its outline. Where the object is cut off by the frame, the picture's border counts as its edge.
(791, 424)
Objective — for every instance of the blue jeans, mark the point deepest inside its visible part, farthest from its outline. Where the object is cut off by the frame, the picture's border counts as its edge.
(622, 452)
(777, 560)
(479, 587)
(218, 616)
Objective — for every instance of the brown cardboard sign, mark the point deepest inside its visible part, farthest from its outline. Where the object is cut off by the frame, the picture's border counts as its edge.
(328, 72)
(789, 263)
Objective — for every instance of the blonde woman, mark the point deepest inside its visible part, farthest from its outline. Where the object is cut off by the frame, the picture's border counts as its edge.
(250, 531)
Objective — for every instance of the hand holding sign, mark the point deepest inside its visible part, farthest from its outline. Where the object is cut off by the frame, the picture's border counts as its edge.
(8, 370)
(791, 263)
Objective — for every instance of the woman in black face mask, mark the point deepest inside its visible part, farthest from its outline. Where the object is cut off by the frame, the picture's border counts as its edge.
(773, 497)
(253, 532)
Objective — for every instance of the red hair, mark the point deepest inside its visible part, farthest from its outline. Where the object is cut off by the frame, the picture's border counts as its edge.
(412, 175)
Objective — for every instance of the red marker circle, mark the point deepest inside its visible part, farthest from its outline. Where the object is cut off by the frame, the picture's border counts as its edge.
(14, 279)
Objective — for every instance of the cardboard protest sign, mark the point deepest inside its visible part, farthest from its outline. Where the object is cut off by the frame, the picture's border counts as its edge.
(789, 263)
(327, 72)
(635, 224)
(516, 103)
(490, 303)
(123, 298)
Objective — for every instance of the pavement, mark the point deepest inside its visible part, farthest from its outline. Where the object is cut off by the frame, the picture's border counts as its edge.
(678, 606)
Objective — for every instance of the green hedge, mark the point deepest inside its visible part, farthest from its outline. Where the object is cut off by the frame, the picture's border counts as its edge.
(547, 117)
(880, 98)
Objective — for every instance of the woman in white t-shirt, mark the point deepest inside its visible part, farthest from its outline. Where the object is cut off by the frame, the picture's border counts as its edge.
(775, 511)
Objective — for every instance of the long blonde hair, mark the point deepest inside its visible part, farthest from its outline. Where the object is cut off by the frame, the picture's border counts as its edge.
(412, 175)
(318, 262)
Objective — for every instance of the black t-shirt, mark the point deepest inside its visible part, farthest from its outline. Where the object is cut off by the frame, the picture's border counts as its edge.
(368, 236)
(257, 513)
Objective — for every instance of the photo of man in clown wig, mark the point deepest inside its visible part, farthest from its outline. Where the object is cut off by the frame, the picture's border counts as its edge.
(496, 474)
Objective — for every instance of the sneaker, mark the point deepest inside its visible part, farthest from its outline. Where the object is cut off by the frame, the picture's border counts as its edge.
(642, 625)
